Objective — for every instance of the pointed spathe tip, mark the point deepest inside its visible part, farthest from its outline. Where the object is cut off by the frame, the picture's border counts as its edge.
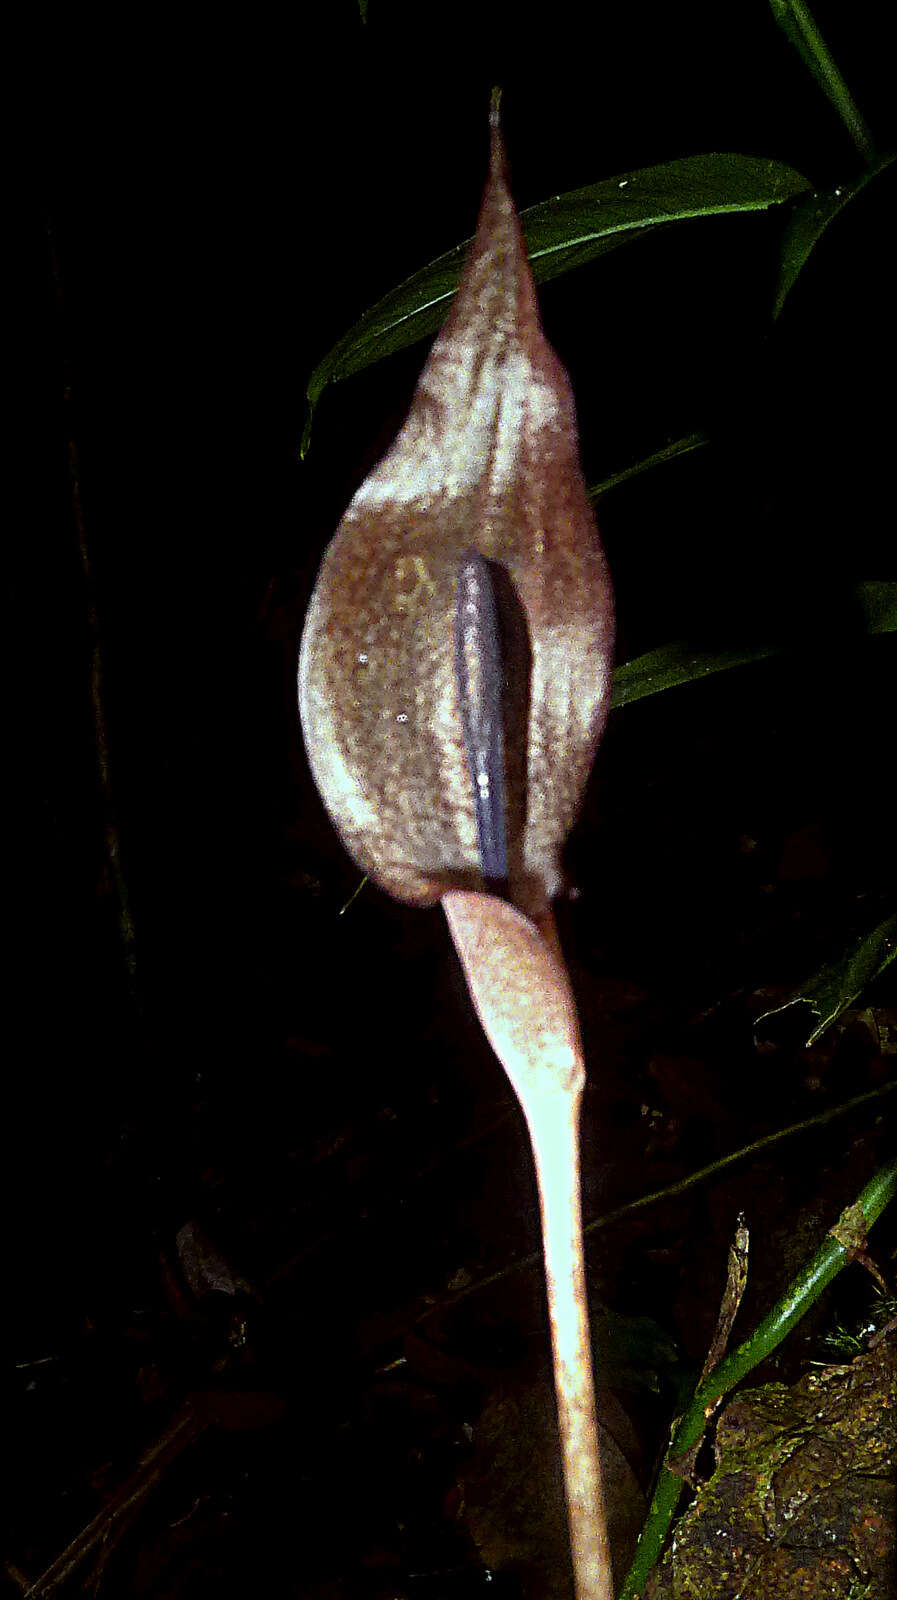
(498, 157)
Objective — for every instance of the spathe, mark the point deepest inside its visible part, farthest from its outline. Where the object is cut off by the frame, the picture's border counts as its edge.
(487, 459)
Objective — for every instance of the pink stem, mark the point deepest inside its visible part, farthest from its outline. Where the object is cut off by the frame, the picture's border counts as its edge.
(553, 1123)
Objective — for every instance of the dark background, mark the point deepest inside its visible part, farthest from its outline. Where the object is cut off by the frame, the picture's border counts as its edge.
(221, 200)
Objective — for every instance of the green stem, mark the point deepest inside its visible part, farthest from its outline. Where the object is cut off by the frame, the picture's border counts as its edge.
(801, 1293)
(797, 21)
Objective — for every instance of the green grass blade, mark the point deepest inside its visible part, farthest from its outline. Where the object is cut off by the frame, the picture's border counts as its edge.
(675, 664)
(679, 447)
(814, 1277)
(838, 984)
(799, 25)
(878, 604)
(809, 220)
(563, 233)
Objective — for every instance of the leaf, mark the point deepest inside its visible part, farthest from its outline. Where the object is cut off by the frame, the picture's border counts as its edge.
(878, 602)
(802, 1292)
(563, 233)
(635, 1352)
(487, 461)
(809, 221)
(799, 25)
(838, 985)
(679, 447)
(675, 664)
(203, 1265)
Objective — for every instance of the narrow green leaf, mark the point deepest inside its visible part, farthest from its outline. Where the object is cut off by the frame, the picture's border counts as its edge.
(675, 664)
(678, 663)
(634, 1352)
(679, 447)
(878, 603)
(799, 25)
(561, 234)
(809, 220)
(839, 984)
(804, 1290)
